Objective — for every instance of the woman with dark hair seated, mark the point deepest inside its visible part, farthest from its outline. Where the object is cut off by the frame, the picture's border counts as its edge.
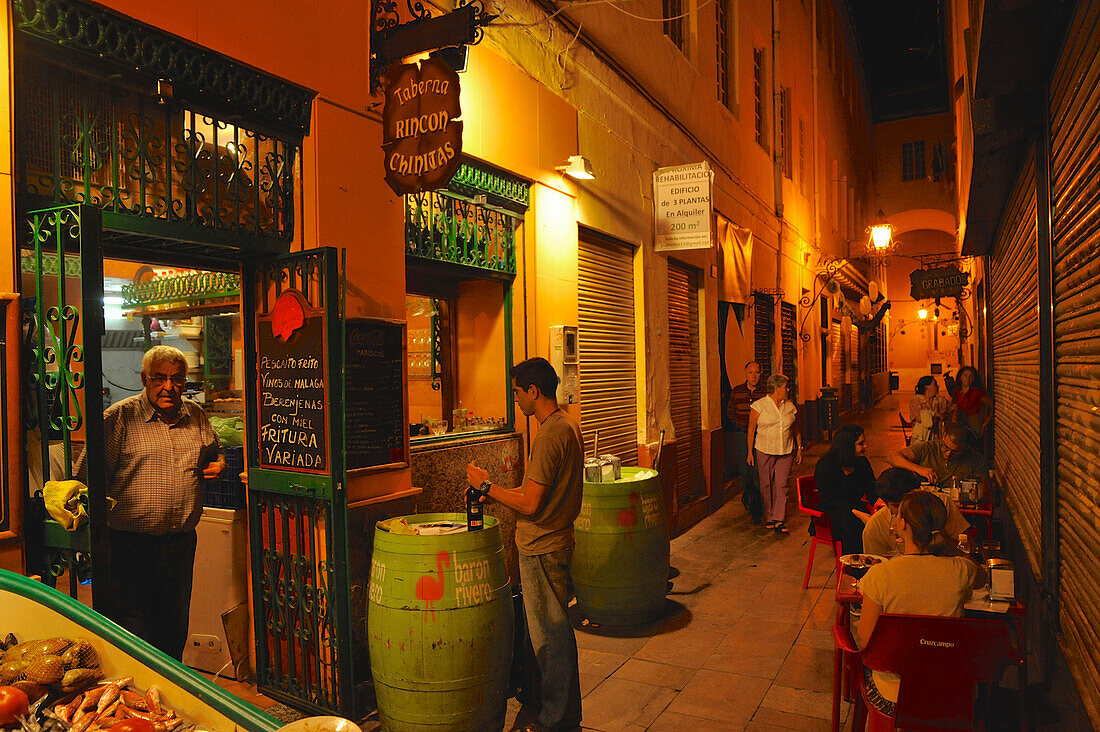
(930, 578)
(844, 478)
(927, 409)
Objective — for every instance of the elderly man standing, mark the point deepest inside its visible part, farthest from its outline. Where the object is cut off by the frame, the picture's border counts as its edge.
(158, 450)
(737, 412)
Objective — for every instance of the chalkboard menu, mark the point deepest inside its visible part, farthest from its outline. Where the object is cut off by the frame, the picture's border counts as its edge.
(374, 407)
(293, 393)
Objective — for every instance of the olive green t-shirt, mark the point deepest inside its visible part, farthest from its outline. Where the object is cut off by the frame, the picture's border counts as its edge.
(969, 464)
(876, 534)
(557, 462)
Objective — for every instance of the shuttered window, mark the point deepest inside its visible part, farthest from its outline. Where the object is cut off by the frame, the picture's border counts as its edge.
(788, 331)
(763, 308)
(1013, 302)
(1075, 214)
(609, 391)
(685, 392)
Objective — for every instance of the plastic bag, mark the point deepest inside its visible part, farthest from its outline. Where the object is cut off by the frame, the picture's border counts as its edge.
(230, 430)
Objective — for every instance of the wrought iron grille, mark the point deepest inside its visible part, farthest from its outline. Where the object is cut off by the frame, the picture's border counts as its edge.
(189, 288)
(878, 349)
(62, 314)
(444, 228)
(296, 584)
(81, 140)
(108, 39)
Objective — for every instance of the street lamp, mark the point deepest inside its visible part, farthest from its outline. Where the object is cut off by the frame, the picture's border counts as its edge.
(881, 239)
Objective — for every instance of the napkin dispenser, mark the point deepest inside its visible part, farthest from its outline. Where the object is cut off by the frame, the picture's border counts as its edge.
(1002, 580)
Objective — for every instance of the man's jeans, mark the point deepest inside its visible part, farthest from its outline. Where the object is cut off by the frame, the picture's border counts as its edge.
(750, 482)
(545, 597)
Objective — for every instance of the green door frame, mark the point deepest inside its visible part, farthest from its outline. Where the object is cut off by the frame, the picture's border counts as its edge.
(298, 520)
(64, 379)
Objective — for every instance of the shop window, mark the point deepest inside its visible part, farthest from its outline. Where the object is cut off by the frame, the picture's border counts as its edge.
(457, 333)
(460, 261)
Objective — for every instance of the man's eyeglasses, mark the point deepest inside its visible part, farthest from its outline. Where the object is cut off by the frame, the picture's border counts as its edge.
(159, 379)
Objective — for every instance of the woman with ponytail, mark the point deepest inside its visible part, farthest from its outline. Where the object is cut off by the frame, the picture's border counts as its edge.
(930, 578)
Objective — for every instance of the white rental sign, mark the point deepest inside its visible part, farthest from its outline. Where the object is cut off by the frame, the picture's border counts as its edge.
(682, 206)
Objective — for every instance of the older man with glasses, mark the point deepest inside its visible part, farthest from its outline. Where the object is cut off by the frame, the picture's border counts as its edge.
(159, 449)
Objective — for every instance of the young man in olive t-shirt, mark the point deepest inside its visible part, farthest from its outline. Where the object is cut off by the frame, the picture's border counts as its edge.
(547, 502)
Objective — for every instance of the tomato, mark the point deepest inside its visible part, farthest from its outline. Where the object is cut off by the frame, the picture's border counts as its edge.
(13, 704)
(133, 724)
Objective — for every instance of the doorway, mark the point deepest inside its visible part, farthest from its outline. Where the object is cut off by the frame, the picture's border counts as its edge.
(88, 317)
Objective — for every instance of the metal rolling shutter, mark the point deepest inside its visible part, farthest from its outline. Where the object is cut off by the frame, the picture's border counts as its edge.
(763, 308)
(1013, 301)
(684, 382)
(788, 330)
(609, 389)
(1075, 214)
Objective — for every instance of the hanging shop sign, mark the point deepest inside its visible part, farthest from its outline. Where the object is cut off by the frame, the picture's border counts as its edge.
(682, 207)
(928, 284)
(421, 135)
(293, 394)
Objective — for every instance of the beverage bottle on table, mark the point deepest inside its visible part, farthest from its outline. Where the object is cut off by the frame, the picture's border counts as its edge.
(475, 514)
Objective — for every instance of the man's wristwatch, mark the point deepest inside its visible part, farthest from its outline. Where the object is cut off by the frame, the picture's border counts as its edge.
(485, 486)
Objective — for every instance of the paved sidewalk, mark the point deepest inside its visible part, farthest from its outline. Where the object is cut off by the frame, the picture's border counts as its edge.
(743, 647)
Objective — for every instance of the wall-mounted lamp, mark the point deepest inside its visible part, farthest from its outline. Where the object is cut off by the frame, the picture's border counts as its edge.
(922, 314)
(578, 167)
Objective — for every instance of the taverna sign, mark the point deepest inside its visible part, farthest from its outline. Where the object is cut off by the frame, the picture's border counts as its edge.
(421, 136)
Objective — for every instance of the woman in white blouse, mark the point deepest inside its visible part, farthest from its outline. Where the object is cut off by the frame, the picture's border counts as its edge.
(778, 444)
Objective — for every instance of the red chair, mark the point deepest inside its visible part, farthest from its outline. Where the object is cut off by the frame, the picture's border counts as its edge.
(906, 425)
(808, 499)
(939, 660)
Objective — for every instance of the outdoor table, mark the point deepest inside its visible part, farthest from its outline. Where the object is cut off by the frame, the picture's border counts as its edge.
(1015, 613)
(982, 509)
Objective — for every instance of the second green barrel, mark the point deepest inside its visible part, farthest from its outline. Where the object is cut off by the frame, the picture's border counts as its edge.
(440, 627)
(620, 563)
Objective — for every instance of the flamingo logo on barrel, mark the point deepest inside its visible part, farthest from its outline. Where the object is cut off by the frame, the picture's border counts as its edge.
(430, 589)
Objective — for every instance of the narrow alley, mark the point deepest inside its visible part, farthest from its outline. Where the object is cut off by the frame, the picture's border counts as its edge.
(745, 648)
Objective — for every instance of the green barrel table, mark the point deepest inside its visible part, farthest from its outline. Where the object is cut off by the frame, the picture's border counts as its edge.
(440, 627)
(620, 563)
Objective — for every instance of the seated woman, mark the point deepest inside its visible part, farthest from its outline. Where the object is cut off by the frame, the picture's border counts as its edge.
(975, 407)
(930, 578)
(844, 478)
(927, 409)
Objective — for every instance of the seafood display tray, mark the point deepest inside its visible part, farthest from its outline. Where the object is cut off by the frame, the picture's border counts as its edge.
(33, 610)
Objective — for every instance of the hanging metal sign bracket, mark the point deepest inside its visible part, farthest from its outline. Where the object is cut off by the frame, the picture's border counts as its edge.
(392, 41)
